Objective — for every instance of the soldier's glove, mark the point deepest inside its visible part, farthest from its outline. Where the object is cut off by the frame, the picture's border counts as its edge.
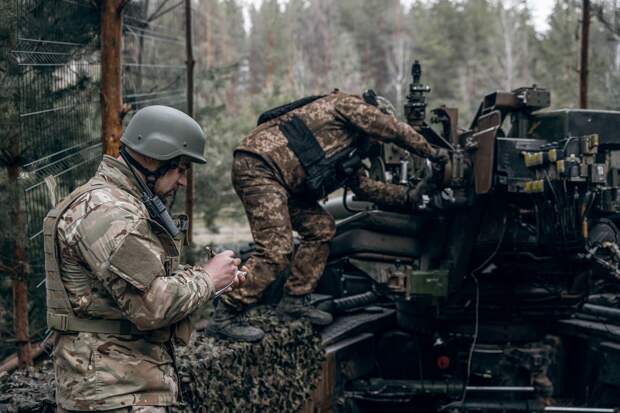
(440, 155)
(414, 195)
(441, 166)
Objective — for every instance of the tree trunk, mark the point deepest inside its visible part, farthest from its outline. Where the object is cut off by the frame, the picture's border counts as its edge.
(20, 272)
(585, 40)
(111, 99)
(189, 192)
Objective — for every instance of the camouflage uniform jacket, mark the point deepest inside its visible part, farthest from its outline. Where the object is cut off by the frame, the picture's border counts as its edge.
(115, 265)
(336, 120)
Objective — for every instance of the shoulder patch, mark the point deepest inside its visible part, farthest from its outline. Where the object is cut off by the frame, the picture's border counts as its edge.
(137, 262)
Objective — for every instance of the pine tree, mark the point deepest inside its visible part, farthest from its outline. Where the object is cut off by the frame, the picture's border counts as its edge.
(558, 63)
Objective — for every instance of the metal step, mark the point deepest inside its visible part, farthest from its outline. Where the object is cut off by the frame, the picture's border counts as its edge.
(370, 319)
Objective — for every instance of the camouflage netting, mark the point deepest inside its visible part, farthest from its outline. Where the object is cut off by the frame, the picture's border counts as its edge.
(277, 374)
(28, 390)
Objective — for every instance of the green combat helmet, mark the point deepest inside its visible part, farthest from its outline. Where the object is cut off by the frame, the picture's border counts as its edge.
(165, 133)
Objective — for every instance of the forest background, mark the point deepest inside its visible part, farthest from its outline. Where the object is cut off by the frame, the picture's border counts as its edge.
(467, 48)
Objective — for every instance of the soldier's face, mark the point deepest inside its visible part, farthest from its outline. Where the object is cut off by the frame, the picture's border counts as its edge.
(172, 180)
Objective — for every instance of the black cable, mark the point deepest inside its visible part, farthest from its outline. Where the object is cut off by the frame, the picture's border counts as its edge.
(156, 208)
(131, 163)
(477, 306)
(558, 210)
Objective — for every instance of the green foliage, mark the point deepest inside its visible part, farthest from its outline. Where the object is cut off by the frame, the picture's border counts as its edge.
(45, 50)
(559, 52)
(301, 47)
(224, 130)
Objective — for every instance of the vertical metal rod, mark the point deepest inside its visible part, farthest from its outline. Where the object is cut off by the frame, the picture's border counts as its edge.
(189, 192)
(585, 40)
(571, 409)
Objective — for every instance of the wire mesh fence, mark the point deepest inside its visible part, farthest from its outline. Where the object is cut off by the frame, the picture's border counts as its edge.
(54, 72)
(154, 58)
(58, 71)
(154, 68)
(55, 61)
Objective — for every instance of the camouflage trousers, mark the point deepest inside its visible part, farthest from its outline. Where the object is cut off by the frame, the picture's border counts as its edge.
(273, 214)
(130, 409)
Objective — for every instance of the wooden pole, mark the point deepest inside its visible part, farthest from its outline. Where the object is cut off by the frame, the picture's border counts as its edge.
(585, 41)
(12, 150)
(19, 270)
(189, 192)
(111, 98)
(12, 362)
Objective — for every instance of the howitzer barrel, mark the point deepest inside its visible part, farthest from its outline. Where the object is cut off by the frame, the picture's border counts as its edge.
(600, 310)
(340, 208)
(571, 409)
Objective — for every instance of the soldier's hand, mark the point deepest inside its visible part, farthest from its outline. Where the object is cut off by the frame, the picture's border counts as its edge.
(414, 195)
(241, 277)
(223, 268)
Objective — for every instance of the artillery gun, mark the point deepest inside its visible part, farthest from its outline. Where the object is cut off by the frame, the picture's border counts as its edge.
(500, 291)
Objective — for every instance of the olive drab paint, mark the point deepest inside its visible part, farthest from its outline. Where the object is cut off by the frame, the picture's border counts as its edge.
(165, 133)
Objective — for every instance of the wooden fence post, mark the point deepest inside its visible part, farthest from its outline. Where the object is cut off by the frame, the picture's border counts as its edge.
(20, 271)
(111, 99)
(12, 158)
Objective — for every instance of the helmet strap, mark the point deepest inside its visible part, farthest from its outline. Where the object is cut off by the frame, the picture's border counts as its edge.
(150, 176)
(157, 209)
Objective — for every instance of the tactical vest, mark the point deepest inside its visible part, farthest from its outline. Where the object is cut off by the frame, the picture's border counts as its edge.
(286, 108)
(323, 175)
(60, 314)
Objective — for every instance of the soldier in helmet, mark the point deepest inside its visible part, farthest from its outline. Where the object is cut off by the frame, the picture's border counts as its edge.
(116, 294)
(298, 154)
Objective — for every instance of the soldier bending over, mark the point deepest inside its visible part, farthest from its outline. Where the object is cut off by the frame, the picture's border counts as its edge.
(297, 155)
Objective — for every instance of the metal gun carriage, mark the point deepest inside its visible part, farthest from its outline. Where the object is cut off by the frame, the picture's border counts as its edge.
(499, 292)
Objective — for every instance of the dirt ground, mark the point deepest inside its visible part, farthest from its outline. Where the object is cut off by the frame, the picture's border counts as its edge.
(230, 232)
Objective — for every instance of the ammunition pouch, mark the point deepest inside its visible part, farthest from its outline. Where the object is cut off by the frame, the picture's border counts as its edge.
(323, 175)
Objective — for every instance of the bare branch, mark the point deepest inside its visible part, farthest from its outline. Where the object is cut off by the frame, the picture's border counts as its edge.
(599, 11)
(156, 16)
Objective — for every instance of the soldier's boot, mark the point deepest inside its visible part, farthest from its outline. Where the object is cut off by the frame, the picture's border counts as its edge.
(227, 323)
(298, 306)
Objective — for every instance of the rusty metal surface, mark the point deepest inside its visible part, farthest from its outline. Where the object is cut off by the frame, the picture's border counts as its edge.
(488, 126)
